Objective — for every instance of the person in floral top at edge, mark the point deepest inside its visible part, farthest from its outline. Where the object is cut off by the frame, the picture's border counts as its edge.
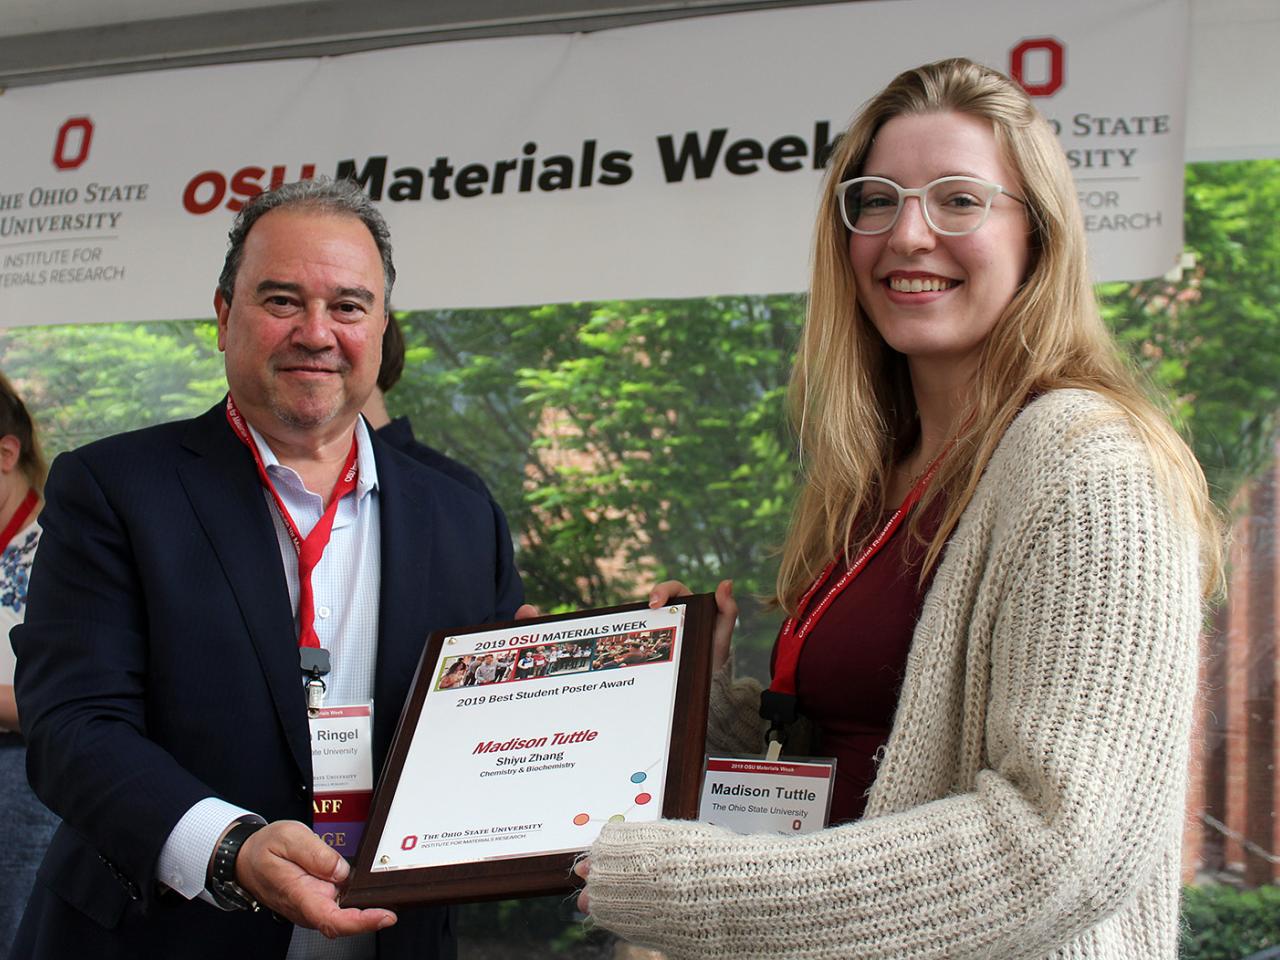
(27, 824)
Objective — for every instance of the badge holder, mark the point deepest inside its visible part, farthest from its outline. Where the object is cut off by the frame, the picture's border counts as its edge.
(342, 773)
(341, 758)
(751, 796)
(769, 795)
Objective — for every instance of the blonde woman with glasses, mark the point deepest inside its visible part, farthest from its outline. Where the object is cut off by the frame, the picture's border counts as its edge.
(993, 581)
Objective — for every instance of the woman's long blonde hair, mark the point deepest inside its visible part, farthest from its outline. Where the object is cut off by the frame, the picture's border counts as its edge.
(851, 398)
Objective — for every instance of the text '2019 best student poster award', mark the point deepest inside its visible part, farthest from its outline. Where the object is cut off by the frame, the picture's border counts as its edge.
(531, 738)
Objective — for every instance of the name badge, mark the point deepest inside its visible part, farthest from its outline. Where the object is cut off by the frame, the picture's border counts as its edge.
(342, 774)
(751, 795)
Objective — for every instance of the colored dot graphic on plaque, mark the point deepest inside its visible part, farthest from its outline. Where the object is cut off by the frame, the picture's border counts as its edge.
(581, 819)
(643, 798)
(639, 777)
(617, 818)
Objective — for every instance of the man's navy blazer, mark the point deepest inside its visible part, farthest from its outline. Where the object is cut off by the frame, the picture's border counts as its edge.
(158, 665)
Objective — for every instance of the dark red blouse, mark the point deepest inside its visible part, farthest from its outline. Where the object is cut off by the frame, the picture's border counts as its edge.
(851, 668)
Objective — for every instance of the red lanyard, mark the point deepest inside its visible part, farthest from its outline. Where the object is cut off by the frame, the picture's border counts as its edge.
(796, 629)
(310, 548)
(18, 519)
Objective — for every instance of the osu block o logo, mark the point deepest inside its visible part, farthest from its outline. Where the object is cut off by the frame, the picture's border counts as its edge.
(72, 146)
(1032, 53)
(409, 842)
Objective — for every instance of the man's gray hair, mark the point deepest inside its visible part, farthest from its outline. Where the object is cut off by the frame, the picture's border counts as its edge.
(321, 194)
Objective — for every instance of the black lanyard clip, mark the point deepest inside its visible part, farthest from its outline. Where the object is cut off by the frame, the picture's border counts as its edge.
(780, 710)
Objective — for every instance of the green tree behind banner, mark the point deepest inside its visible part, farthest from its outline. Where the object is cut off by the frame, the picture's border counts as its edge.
(87, 381)
(629, 442)
(634, 441)
(1211, 340)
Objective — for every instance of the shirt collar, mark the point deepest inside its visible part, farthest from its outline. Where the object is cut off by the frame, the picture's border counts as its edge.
(364, 457)
(365, 460)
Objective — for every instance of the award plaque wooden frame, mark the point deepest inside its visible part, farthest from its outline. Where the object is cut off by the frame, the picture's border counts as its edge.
(625, 661)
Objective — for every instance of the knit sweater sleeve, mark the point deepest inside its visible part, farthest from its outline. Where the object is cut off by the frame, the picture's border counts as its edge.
(1089, 681)
(734, 724)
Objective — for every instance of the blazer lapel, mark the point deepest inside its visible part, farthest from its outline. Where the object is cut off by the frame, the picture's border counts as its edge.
(406, 504)
(225, 493)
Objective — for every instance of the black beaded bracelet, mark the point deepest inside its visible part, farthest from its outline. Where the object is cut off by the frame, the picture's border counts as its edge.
(222, 885)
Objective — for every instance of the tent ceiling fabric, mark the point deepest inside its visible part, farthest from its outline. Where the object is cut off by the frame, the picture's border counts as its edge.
(42, 41)
(46, 16)
(1233, 69)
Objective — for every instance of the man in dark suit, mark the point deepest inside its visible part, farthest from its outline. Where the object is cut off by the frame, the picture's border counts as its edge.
(163, 660)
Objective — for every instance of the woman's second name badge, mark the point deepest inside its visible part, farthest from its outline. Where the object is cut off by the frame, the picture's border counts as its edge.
(751, 795)
(342, 774)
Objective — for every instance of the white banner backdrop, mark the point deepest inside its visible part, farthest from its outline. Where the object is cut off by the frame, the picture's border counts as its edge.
(672, 160)
(1232, 77)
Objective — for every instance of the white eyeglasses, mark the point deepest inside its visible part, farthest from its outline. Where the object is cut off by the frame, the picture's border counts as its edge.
(953, 206)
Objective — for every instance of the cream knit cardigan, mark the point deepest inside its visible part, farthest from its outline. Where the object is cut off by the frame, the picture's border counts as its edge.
(1030, 800)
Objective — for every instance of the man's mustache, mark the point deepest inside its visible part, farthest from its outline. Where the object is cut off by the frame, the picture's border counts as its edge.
(329, 361)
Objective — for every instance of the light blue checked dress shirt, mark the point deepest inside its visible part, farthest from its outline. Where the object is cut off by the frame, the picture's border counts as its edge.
(346, 582)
